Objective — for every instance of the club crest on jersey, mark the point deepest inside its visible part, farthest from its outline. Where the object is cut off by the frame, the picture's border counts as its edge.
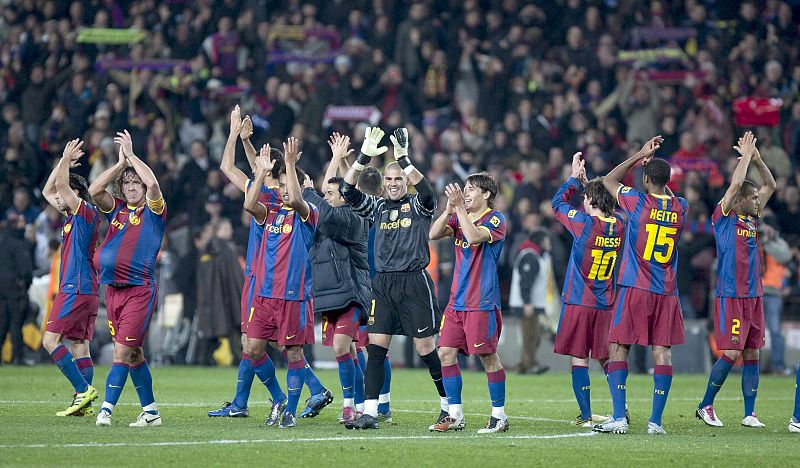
(134, 220)
(371, 321)
(405, 208)
(67, 228)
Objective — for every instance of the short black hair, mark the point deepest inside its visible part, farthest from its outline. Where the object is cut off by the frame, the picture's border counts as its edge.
(370, 181)
(335, 180)
(658, 171)
(280, 166)
(486, 183)
(599, 196)
(77, 182)
(745, 185)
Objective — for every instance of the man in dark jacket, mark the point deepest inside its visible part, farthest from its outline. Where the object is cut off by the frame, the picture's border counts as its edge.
(15, 276)
(341, 276)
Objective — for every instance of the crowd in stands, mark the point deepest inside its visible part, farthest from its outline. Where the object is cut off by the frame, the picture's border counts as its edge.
(513, 87)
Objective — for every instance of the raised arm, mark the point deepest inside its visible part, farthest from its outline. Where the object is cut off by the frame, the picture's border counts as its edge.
(339, 145)
(233, 173)
(49, 190)
(97, 190)
(362, 203)
(572, 219)
(613, 179)
(746, 146)
(426, 196)
(72, 152)
(766, 190)
(249, 150)
(148, 178)
(263, 166)
(291, 155)
(440, 227)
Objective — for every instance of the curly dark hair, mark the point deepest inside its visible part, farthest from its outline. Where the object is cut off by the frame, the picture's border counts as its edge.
(599, 197)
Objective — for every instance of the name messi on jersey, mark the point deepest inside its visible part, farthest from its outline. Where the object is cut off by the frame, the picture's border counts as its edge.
(663, 215)
(601, 241)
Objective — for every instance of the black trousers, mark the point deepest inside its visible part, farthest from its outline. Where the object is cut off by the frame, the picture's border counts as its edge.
(12, 316)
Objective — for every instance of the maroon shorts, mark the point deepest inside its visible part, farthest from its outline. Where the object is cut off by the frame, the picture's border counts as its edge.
(739, 323)
(362, 337)
(341, 322)
(247, 301)
(289, 323)
(583, 331)
(646, 318)
(129, 312)
(73, 316)
(473, 332)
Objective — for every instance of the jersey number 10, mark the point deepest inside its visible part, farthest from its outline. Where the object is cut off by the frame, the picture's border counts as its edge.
(658, 235)
(602, 264)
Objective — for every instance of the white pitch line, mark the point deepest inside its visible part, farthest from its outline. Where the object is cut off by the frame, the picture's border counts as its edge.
(296, 440)
(395, 402)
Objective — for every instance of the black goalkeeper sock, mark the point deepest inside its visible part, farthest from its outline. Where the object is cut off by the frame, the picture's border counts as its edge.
(435, 368)
(374, 375)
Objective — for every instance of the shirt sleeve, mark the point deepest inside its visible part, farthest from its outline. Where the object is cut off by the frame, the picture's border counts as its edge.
(573, 219)
(110, 213)
(628, 198)
(495, 225)
(313, 216)
(453, 223)
(158, 207)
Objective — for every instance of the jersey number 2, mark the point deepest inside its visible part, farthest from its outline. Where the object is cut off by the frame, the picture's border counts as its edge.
(602, 264)
(661, 236)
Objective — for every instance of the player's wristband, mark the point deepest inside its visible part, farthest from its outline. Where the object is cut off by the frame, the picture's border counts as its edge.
(404, 162)
(361, 162)
(409, 169)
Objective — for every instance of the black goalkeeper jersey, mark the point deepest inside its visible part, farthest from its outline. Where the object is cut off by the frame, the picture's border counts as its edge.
(401, 229)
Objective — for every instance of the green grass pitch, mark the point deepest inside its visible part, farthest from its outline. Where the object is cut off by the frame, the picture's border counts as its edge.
(539, 408)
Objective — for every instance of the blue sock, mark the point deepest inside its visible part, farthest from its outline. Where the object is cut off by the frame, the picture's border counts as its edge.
(384, 407)
(86, 367)
(362, 359)
(143, 382)
(749, 386)
(662, 380)
(347, 374)
(451, 378)
(115, 381)
(796, 414)
(311, 380)
(64, 360)
(716, 378)
(265, 370)
(244, 381)
(617, 376)
(358, 394)
(294, 384)
(497, 387)
(581, 387)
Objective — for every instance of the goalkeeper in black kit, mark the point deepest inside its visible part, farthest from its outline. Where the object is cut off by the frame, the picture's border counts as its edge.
(403, 295)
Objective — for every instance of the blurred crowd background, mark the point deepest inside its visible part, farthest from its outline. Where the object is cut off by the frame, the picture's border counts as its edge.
(509, 86)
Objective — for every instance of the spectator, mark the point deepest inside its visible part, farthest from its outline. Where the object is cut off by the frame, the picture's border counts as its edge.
(775, 256)
(15, 274)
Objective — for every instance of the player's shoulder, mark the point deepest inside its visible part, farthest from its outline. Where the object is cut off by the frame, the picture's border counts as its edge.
(627, 190)
(495, 216)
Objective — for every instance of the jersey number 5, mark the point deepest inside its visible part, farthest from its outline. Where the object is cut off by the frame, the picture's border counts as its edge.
(602, 264)
(661, 236)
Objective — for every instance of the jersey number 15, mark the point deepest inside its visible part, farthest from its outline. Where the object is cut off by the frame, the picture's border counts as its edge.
(661, 236)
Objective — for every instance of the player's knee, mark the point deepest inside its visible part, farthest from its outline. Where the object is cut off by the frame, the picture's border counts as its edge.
(424, 346)
(244, 341)
(50, 341)
(341, 347)
(294, 353)
(491, 362)
(136, 356)
(750, 354)
(80, 348)
(662, 356)
(448, 356)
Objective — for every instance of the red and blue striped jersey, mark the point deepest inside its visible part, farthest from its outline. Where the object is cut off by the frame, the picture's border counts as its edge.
(591, 278)
(283, 263)
(78, 243)
(128, 253)
(475, 283)
(650, 256)
(738, 261)
(270, 198)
